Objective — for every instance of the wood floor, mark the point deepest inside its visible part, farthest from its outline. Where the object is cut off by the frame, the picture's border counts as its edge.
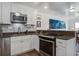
(31, 53)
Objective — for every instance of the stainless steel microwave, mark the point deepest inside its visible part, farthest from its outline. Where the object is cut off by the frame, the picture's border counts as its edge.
(17, 17)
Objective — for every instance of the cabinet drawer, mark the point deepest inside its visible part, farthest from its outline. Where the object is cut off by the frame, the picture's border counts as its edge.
(14, 39)
(16, 47)
(61, 42)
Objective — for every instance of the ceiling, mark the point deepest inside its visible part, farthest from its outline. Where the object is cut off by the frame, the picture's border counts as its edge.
(59, 7)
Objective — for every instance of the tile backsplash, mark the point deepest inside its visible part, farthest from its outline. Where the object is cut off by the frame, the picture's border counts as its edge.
(17, 27)
(5, 28)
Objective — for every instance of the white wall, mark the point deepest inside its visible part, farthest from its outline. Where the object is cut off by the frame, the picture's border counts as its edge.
(45, 13)
(72, 22)
(73, 17)
(32, 13)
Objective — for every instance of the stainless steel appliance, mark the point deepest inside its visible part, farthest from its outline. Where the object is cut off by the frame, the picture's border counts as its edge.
(47, 46)
(17, 17)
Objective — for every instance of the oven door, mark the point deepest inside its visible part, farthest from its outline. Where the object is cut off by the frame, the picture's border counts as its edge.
(18, 18)
(47, 47)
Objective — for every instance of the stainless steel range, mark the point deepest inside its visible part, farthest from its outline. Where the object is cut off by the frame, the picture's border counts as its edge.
(48, 45)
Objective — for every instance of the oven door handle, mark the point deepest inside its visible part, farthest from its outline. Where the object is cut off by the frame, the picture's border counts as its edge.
(47, 40)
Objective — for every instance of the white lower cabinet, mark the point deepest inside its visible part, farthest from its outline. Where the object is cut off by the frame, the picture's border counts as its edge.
(60, 51)
(66, 47)
(20, 44)
(26, 43)
(35, 42)
(16, 45)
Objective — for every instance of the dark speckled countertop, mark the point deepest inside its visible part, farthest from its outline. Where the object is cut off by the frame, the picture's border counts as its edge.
(57, 34)
(4, 35)
(58, 37)
(64, 35)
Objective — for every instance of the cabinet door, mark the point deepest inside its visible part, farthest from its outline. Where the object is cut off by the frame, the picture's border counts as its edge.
(30, 42)
(6, 9)
(0, 13)
(20, 44)
(26, 43)
(16, 45)
(35, 42)
(17, 8)
(60, 51)
(61, 47)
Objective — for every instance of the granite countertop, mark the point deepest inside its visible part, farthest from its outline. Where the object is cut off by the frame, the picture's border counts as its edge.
(58, 37)
(13, 34)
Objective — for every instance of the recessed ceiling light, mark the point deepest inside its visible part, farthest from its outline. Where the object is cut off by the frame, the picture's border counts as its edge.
(72, 8)
(45, 6)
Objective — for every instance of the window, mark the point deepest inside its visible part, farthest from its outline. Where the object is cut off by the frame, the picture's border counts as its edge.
(77, 25)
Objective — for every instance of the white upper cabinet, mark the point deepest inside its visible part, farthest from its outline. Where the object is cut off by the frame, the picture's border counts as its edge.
(15, 8)
(0, 13)
(5, 9)
(18, 8)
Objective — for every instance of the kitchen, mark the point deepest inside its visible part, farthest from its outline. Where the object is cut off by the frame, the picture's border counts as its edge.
(39, 28)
